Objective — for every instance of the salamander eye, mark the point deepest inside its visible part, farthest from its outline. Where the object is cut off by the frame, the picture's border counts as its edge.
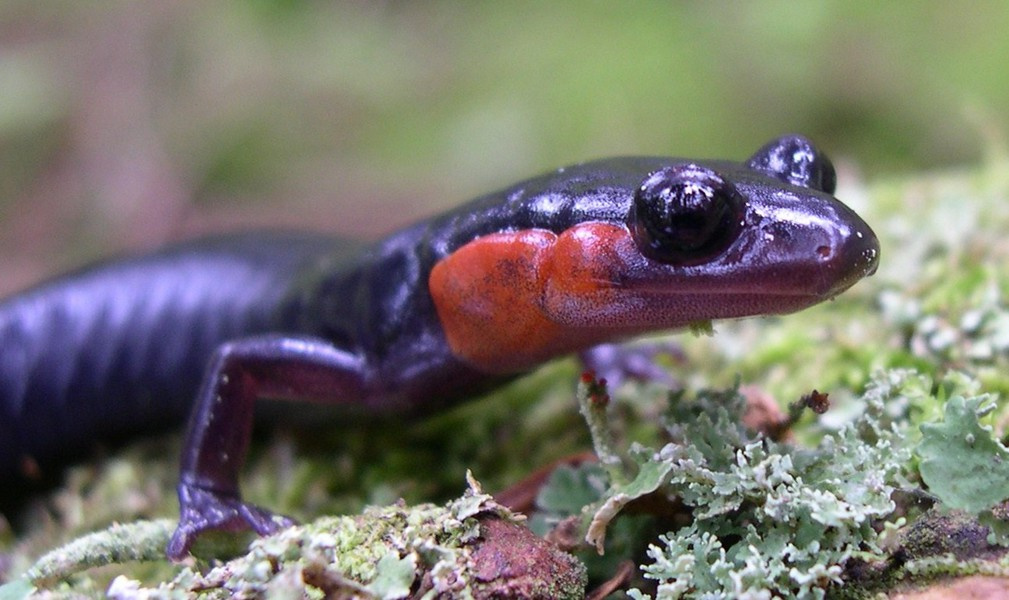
(685, 215)
(795, 160)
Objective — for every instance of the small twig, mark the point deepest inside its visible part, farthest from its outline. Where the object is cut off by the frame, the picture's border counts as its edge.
(593, 398)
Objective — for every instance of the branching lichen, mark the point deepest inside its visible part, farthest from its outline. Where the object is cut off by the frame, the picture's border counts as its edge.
(768, 519)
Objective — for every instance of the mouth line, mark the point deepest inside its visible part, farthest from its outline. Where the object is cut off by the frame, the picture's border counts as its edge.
(817, 288)
(665, 291)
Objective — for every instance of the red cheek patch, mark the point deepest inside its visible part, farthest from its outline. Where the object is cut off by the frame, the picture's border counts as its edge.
(583, 278)
(487, 297)
(510, 301)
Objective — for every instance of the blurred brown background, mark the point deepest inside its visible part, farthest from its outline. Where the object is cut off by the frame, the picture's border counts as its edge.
(127, 124)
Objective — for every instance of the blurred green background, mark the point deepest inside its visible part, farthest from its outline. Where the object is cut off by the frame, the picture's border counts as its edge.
(126, 124)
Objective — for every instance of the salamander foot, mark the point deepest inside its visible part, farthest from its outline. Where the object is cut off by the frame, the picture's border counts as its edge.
(203, 510)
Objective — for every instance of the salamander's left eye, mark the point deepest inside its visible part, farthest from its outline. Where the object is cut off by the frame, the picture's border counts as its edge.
(795, 160)
(685, 215)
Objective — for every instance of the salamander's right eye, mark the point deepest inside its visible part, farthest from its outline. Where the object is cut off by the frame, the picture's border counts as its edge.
(685, 215)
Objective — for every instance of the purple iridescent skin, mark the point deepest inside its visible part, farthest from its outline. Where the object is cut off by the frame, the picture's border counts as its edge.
(408, 325)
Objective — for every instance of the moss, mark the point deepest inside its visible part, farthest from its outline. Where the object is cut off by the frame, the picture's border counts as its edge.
(472, 547)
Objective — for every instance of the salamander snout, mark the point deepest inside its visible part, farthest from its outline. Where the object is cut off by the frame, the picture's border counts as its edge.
(851, 257)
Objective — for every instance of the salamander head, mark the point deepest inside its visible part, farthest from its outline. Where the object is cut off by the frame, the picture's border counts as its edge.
(626, 246)
(709, 240)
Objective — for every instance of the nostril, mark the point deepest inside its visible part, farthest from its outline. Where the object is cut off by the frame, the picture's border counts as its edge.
(871, 256)
(824, 251)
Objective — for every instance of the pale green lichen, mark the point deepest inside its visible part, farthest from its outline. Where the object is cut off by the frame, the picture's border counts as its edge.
(964, 465)
(768, 519)
(776, 520)
(961, 462)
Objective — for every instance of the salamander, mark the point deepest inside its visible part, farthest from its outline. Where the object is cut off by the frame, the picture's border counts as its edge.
(436, 313)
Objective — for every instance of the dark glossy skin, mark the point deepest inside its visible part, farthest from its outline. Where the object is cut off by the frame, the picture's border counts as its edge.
(432, 315)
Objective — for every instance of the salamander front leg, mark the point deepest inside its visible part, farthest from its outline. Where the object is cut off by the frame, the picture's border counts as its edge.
(276, 367)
